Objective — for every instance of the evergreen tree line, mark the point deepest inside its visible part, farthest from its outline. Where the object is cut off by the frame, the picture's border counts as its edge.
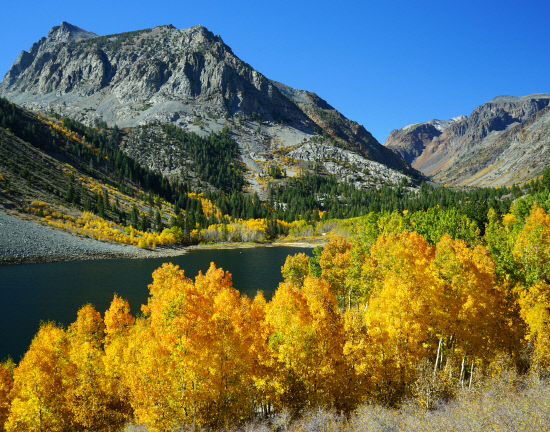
(12, 118)
(309, 197)
(105, 152)
(303, 197)
(214, 157)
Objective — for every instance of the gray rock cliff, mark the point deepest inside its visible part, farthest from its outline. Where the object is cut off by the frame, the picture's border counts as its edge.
(503, 141)
(188, 77)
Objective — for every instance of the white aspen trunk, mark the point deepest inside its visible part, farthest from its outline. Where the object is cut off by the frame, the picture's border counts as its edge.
(437, 356)
(462, 371)
(471, 374)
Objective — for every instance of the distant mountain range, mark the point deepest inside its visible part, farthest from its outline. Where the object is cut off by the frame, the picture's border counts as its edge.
(504, 141)
(192, 79)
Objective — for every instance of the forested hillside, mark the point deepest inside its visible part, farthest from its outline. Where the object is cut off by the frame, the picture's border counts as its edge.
(431, 294)
(415, 307)
(79, 178)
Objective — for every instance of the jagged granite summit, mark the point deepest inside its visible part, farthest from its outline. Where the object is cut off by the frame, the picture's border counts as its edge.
(410, 141)
(161, 73)
(504, 141)
(188, 77)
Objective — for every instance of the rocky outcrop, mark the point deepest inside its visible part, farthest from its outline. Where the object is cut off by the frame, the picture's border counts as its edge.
(346, 165)
(188, 77)
(502, 142)
(411, 142)
(155, 74)
(351, 134)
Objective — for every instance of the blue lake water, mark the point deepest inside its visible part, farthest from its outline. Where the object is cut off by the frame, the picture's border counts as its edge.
(32, 293)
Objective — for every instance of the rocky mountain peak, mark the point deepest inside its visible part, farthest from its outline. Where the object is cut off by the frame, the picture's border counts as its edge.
(68, 33)
(503, 141)
(144, 68)
(187, 77)
(518, 99)
(441, 125)
(409, 142)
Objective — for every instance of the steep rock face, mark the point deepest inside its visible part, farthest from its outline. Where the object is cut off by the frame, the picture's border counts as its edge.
(27, 68)
(467, 148)
(158, 73)
(347, 165)
(517, 154)
(187, 77)
(502, 142)
(350, 133)
(410, 143)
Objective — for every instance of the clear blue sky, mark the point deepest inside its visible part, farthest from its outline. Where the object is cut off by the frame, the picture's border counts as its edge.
(384, 64)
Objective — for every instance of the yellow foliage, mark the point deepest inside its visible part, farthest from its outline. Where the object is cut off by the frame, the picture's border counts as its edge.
(39, 384)
(6, 385)
(203, 355)
(535, 310)
(189, 361)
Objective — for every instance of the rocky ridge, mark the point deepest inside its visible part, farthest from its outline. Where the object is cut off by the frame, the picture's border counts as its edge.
(348, 132)
(23, 241)
(188, 77)
(133, 78)
(503, 141)
(410, 141)
(346, 165)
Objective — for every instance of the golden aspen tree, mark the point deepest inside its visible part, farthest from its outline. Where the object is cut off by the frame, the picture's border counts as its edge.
(118, 319)
(296, 269)
(229, 383)
(481, 319)
(87, 395)
(283, 314)
(306, 342)
(254, 334)
(338, 383)
(355, 277)
(39, 391)
(535, 310)
(148, 374)
(392, 223)
(118, 323)
(6, 385)
(356, 351)
(402, 314)
(334, 262)
(500, 237)
(193, 367)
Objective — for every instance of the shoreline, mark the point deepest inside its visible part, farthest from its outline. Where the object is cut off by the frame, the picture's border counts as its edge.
(161, 252)
(27, 242)
(91, 256)
(276, 243)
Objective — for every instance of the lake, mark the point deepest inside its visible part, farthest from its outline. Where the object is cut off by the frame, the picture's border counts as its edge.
(32, 293)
